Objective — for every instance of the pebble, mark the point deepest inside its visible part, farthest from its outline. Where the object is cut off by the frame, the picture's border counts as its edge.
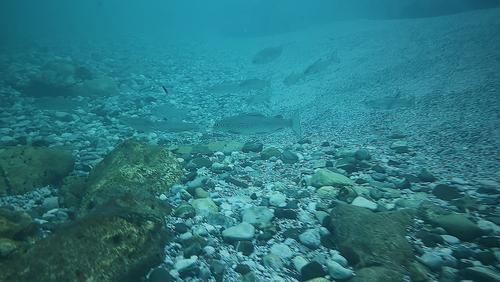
(277, 199)
(184, 264)
(311, 238)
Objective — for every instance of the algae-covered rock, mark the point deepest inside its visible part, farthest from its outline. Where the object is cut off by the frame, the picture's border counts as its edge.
(325, 177)
(366, 238)
(24, 168)
(120, 241)
(377, 274)
(133, 167)
(15, 225)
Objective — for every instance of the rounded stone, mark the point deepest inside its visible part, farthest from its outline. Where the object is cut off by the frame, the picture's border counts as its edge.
(240, 232)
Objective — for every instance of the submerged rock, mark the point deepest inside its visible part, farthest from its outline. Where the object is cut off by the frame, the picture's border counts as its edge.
(120, 241)
(366, 238)
(133, 167)
(24, 168)
(325, 177)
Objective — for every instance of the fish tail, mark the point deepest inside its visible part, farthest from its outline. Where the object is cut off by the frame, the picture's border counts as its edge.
(296, 126)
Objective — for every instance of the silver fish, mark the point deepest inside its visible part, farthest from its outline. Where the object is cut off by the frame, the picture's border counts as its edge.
(256, 123)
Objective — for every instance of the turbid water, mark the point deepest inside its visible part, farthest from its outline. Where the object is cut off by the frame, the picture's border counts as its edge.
(249, 141)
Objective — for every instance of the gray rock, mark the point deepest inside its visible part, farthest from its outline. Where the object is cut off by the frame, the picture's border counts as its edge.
(258, 216)
(400, 147)
(240, 232)
(479, 273)
(364, 203)
(204, 206)
(50, 203)
(311, 238)
(435, 260)
(281, 250)
(325, 177)
(338, 272)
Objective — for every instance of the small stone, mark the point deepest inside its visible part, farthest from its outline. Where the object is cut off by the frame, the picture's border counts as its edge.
(283, 213)
(458, 225)
(242, 231)
(364, 203)
(338, 272)
(362, 155)
(400, 147)
(435, 260)
(272, 261)
(252, 147)
(245, 247)
(258, 216)
(204, 206)
(281, 250)
(299, 262)
(185, 264)
(325, 177)
(446, 192)
(184, 211)
(160, 274)
(452, 240)
(426, 176)
(50, 203)
(289, 157)
(327, 192)
(479, 273)
(311, 238)
(242, 269)
(269, 153)
(312, 270)
(277, 199)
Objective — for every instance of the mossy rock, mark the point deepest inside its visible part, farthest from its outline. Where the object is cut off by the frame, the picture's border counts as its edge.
(366, 238)
(15, 225)
(377, 274)
(120, 241)
(133, 167)
(24, 168)
(270, 152)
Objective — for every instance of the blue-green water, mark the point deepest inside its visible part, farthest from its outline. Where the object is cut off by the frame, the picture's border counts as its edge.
(249, 140)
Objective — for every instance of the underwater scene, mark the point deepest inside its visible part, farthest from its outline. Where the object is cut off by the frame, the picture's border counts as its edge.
(250, 140)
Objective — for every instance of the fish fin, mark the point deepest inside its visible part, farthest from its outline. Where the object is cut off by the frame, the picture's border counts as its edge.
(164, 89)
(296, 126)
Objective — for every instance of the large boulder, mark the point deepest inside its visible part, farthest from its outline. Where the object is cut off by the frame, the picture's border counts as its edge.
(366, 238)
(131, 168)
(24, 168)
(119, 241)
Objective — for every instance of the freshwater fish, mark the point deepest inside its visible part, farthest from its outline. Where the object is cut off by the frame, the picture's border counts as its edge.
(267, 55)
(256, 123)
(146, 125)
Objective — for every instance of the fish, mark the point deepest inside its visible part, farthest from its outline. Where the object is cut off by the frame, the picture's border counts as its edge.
(164, 89)
(267, 55)
(256, 123)
(146, 125)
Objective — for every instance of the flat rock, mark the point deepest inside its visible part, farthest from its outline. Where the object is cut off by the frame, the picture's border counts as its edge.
(242, 231)
(325, 177)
